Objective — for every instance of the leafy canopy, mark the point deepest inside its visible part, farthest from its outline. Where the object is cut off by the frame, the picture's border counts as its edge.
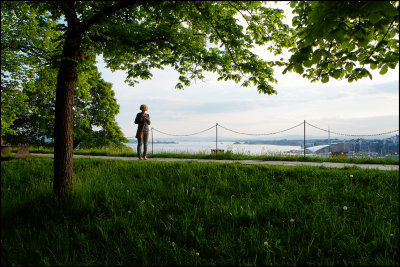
(340, 39)
(94, 105)
(32, 41)
(28, 39)
(191, 36)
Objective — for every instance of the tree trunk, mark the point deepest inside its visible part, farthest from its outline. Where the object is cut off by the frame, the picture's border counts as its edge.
(63, 127)
(66, 80)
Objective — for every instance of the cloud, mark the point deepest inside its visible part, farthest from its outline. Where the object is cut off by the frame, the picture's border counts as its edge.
(384, 88)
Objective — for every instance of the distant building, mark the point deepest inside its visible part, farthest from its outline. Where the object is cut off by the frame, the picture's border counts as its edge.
(325, 149)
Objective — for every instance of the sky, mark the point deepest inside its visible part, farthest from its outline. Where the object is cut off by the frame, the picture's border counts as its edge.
(361, 107)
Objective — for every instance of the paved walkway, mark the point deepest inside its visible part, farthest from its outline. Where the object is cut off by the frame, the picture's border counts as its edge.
(249, 162)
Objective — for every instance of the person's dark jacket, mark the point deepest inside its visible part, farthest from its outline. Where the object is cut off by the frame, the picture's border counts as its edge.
(140, 119)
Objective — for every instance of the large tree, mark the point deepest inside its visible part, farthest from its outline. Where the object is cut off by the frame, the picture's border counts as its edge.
(94, 106)
(192, 37)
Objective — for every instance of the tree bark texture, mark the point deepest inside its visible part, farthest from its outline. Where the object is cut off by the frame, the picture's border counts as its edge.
(63, 127)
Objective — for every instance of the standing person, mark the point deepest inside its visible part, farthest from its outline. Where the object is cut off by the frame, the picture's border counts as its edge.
(142, 135)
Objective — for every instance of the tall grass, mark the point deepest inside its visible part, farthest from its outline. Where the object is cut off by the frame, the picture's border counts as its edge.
(187, 213)
(228, 155)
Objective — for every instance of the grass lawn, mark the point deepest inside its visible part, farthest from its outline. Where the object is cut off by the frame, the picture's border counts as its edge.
(190, 213)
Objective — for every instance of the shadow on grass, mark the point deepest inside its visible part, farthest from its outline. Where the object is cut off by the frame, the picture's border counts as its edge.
(7, 157)
(42, 210)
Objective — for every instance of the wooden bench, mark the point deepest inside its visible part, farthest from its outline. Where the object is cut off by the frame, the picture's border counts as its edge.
(23, 150)
(5, 148)
(217, 151)
(339, 154)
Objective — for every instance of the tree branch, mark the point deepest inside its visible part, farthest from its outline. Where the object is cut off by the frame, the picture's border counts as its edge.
(103, 13)
(132, 44)
(70, 14)
(380, 42)
(30, 50)
(223, 41)
(238, 10)
(251, 14)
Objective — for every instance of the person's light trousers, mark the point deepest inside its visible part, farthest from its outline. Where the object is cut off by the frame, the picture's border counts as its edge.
(144, 140)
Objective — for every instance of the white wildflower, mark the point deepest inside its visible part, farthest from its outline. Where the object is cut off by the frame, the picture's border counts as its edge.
(266, 243)
(292, 220)
(173, 244)
(351, 175)
(391, 234)
(344, 207)
(197, 254)
(129, 211)
(127, 190)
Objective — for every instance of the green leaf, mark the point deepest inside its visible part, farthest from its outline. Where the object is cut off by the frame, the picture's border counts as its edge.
(374, 17)
(316, 57)
(388, 9)
(384, 69)
(288, 68)
(179, 86)
(336, 73)
(363, 41)
(349, 66)
(392, 65)
(307, 63)
(298, 68)
(325, 78)
(351, 47)
(369, 74)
